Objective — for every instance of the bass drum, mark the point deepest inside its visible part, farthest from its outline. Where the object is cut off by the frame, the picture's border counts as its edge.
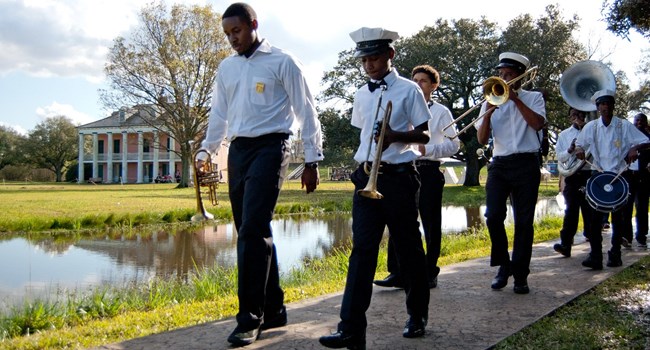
(607, 192)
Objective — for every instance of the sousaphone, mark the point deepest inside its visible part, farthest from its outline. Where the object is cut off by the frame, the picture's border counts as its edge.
(578, 84)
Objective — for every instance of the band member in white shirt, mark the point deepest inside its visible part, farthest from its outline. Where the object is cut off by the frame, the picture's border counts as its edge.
(432, 180)
(514, 173)
(614, 143)
(573, 191)
(258, 93)
(398, 182)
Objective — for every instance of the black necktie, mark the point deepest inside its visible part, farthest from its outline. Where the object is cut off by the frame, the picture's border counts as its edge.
(372, 85)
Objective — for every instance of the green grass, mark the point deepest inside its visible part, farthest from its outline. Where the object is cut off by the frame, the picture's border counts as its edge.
(107, 315)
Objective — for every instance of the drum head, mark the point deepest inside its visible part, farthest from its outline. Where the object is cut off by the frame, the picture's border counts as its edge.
(607, 192)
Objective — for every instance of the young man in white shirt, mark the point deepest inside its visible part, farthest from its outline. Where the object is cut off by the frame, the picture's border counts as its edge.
(258, 93)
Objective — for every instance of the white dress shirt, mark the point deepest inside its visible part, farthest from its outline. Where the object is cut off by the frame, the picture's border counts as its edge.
(409, 110)
(510, 132)
(610, 144)
(263, 94)
(440, 146)
(564, 140)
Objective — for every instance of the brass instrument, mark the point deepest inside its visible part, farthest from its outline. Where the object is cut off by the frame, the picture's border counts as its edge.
(370, 191)
(496, 91)
(581, 80)
(578, 84)
(206, 176)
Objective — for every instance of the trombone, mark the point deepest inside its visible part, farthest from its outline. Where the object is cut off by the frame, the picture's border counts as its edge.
(496, 91)
(206, 176)
(370, 191)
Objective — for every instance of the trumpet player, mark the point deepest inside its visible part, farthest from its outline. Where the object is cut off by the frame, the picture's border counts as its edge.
(398, 182)
(432, 180)
(258, 93)
(574, 196)
(515, 127)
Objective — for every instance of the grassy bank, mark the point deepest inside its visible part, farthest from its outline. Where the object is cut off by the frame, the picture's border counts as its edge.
(107, 315)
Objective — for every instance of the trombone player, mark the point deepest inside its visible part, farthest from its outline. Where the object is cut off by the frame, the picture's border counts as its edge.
(515, 126)
(398, 184)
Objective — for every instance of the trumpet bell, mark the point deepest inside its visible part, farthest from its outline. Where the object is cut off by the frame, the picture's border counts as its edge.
(581, 80)
(496, 91)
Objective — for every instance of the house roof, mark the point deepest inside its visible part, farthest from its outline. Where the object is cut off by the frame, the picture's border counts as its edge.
(136, 116)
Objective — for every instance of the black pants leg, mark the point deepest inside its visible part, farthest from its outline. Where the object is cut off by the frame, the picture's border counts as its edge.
(430, 209)
(518, 180)
(641, 202)
(398, 211)
(256, 169)
(574, 198)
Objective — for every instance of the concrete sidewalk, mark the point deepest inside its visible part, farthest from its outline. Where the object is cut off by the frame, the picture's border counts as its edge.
(464, 312)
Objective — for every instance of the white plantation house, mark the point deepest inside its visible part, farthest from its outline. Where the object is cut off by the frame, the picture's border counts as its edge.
(127, 149)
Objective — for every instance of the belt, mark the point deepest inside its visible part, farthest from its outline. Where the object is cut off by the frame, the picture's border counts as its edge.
(516, 157)
(262, 138)
(427, 162)
(388, 168)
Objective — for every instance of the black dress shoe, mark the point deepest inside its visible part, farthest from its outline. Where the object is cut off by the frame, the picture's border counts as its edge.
(241, 337)
(562, 249)
(614, 259)
(275, 320)
(501, 279)
(390, 281)
(521, 287)
(415, 327)
(341, 339)
(594, 263)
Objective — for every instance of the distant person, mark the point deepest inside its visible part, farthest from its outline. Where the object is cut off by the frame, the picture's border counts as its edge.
(514, 172)
(431, 178)
(573, 191)
(613, 142)
(398, 182)
(258, 93)
(642, 178)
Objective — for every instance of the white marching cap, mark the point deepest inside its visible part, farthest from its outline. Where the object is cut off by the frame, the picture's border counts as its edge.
(601, 95)
(513, 60)
(371, 41)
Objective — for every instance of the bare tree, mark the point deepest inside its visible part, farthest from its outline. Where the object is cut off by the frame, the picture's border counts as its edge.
(169, 61)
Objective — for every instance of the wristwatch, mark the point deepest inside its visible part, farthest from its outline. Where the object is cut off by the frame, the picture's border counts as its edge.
(311, 165)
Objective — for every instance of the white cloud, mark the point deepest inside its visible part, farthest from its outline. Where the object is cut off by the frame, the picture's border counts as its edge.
(58, 109)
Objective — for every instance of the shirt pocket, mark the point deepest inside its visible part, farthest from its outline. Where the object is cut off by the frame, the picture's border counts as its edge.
(262, 91)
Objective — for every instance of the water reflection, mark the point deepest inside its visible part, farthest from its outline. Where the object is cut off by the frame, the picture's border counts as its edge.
(43, 267)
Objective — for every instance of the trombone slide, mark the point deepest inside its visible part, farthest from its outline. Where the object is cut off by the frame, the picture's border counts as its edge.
(370, 191)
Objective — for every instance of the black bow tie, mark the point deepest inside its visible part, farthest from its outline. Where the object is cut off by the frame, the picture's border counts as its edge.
(372, 86)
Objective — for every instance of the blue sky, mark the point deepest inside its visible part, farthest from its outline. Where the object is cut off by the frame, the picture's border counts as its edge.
(53, 51)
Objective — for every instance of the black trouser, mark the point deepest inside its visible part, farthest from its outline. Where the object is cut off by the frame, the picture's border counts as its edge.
(627, 231)
(641, 202)
(256, 169)
(432, 183)
(576, 202)
(397, 210)
(516, 177)
(619, 225)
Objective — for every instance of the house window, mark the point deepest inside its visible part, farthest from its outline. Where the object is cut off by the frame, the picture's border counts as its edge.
(145, 146)
(116, 146)
(100, 146)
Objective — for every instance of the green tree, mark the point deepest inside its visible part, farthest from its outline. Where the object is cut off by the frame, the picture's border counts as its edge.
(170, 61)
(9, 146)
(640, 99)
(341, 138)
(52, 145)
(463, 52)
(623, 15)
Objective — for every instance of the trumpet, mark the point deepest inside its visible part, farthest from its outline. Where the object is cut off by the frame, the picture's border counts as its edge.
(496, 91)
(370, 191)
(206, 176)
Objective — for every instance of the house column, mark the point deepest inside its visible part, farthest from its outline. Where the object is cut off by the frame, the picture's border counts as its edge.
(172, 157)
(80, 171)
(156, 150)
(125, 152)
(109, 158)
(140, 156)
(95, 155)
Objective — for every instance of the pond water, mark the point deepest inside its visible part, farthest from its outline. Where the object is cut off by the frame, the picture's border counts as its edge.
(44, 267)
